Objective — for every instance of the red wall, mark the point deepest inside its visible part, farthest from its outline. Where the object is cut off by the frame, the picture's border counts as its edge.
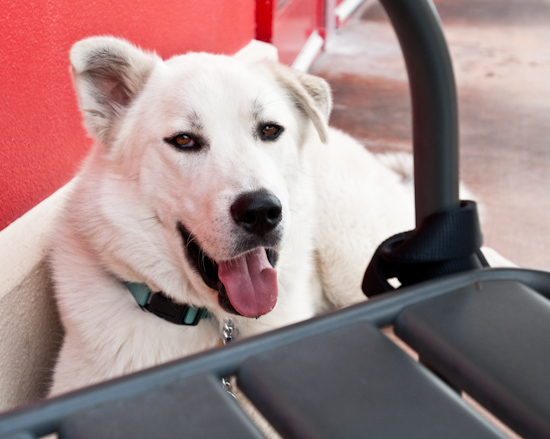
(41, 139)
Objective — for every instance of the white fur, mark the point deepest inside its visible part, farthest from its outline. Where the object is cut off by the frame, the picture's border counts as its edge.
(339, 202)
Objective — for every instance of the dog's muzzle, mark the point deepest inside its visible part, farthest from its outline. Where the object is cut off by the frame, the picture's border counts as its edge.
(246, 284)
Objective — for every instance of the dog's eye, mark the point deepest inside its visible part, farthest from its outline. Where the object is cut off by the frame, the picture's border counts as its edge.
(183, 142)
(270, 131)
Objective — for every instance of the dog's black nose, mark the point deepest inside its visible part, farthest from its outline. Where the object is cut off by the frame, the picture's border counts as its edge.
(257, 212)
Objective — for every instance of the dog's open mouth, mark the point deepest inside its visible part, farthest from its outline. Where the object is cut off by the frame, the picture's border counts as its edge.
(246, 285)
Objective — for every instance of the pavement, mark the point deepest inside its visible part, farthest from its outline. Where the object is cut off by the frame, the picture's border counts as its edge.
(501, 57)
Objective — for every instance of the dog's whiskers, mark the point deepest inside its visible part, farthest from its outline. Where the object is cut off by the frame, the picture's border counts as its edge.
(203, 261)
(154, 217)
(133, 177)
(192, 237)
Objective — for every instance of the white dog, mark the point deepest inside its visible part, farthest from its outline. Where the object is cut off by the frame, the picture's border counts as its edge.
(210, 193)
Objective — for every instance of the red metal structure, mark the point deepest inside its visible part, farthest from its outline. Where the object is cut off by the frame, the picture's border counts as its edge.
(288, 24)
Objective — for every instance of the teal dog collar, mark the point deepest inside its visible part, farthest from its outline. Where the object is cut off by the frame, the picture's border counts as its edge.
(165, 308)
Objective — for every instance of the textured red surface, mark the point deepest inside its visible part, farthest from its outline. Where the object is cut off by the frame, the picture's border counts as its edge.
(42, 142)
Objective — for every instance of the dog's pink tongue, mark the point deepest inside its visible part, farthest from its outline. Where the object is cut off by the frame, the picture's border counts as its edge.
(250, 282)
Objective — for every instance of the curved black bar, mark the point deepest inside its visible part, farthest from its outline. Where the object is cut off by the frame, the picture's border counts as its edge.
(434, 104)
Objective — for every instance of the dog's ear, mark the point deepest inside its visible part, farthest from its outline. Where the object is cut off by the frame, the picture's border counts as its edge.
(256, 51)
(311, 94)
(108, 74)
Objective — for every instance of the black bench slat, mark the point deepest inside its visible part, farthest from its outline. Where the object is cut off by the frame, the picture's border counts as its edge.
(355, 383)
(194, 408)
(492, 340)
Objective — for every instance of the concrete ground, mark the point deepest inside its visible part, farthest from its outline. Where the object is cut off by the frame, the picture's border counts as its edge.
(501, 57)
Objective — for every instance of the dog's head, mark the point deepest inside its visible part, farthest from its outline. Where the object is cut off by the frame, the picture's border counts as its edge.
(211, 145)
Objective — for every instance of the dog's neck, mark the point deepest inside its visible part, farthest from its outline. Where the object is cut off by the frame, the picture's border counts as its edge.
(164, 307)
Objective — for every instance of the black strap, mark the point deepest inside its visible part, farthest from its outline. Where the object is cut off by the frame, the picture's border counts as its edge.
(164, 307)
(178, 313)
(445, 243)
